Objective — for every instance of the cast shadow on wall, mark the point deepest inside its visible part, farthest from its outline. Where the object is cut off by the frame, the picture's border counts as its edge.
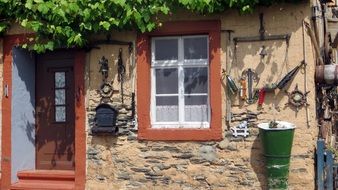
(257, 162)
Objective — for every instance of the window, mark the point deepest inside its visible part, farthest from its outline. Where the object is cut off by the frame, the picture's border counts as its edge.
(60, 96)
(179, 70)
(179, 82)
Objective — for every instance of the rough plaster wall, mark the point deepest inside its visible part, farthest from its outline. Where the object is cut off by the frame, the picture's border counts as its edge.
(124, 163)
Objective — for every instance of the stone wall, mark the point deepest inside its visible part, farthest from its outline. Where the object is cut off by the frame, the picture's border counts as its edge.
(123, 162)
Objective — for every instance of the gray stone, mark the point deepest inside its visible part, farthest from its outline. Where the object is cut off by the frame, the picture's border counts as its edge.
(184, 155)
(208, 153)
(299, 170)
(223, 144)
(197, 160)
(181, 168)
(140, 169)
(124, 176)
(302, 156)
(153, 161)
(199, 177)
(131, 136)
(166, 148)
(100, 177)
(220, 162)
(143, 149)
(92, 151)
(163, 166)
(153, 173)
(119, 160)
(219, 170)
(232, 146)
(133, 184)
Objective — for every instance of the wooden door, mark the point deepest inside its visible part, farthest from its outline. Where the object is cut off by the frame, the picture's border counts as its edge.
(55, 111)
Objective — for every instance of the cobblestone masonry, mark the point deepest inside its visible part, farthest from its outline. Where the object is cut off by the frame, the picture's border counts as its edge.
(123, 162)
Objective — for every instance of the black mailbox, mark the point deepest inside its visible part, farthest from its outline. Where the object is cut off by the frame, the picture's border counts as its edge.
(105, 119)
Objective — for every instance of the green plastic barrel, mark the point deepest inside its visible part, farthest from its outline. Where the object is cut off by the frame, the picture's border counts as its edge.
(277, 144)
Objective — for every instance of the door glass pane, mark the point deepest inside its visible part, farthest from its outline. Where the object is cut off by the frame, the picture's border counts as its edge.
(196, 48)
(166, 108)
(166, 81)
(166, 49)
(60, 79)
(60, 97)
(60, 113)
(195, 80)
(196, 108)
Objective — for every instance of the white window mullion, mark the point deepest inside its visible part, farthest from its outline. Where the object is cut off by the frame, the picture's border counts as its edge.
(181, 80)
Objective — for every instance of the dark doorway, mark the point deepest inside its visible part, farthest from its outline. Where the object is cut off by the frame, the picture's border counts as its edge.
(55, 124)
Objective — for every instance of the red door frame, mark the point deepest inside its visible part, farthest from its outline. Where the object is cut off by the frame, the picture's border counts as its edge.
(80, 136)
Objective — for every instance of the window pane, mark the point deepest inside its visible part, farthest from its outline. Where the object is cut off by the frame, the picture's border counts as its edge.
(166, 81)
(60, 79)
(166, 49)
(196, 48)
(196, 80)
(60, 113)
(196, 100)
(196, 108)
(166, 109)
(60, 97)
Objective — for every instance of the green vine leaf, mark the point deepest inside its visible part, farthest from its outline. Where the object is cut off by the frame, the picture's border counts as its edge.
(70, 23)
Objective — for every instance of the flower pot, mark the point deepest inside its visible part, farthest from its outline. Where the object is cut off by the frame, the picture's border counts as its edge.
(277, 144)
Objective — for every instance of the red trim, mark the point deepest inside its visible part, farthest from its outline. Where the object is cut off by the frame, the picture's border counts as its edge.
(80, 137)
(80, 114)
(8, 43)
(213, 29)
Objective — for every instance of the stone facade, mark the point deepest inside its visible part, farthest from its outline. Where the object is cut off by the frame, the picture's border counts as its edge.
(123, 162)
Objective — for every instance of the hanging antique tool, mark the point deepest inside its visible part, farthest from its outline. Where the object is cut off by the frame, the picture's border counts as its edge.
(121, 70)
(231, 85)
(106, 89)
(242, 92)
(251, 76)
(297, 98)
(289, 76)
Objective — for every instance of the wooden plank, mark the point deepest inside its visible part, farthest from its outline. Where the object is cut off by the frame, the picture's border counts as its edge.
(320, 164)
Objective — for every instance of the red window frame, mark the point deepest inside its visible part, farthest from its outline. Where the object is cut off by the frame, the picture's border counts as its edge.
(213, 30)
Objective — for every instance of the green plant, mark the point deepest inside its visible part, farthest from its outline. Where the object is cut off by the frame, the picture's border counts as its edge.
(71, 22)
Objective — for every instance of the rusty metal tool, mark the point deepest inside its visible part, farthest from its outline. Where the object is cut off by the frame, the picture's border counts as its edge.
(121, 70)
(250, 75)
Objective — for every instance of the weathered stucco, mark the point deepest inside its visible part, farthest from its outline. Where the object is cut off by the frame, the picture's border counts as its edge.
(123, 162)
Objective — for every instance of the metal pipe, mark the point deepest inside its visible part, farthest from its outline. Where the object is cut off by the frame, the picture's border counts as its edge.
(285, 37)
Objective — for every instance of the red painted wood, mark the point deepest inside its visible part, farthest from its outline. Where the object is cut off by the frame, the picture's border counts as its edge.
(54, 140)
(8, 43)
(211, 28)
(45, 179)
(57, 175)
(80, 135)
(80, 117)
